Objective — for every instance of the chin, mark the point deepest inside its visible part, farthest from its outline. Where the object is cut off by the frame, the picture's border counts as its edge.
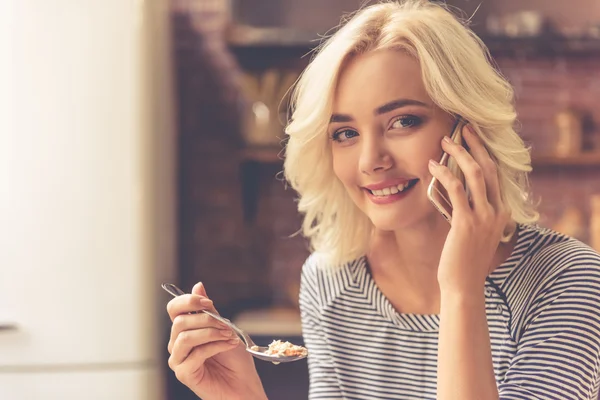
(395, 221)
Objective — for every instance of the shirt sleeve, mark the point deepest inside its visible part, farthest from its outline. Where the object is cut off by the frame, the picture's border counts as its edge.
(322, 376)
(558, 353)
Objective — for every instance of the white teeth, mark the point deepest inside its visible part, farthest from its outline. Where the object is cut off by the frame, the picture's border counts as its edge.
(390, 190)
(402, 186)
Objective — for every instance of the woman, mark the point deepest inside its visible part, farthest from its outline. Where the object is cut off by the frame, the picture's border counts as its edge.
(396, 303)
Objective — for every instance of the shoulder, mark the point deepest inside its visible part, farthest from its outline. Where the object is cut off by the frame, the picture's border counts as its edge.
(557, 279)
(316, 266)
(553, 265)
(553, 255)
(543, 261)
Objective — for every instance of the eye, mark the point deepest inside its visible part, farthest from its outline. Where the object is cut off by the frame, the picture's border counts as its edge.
(406, 121)
(343, 135)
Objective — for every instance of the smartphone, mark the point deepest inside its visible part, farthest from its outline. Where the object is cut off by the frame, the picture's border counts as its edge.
(435, 191)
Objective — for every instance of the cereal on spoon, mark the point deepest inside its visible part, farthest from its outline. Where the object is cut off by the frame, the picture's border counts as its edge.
(283, 349)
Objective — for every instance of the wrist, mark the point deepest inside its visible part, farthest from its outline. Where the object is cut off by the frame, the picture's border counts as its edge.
(261, 396)
(461, 289)
(258, 392)
(257, 395)
(462, 299)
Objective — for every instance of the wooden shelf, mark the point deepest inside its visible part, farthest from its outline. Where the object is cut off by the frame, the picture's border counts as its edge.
(257, 49)
(590, 159)
(253, 39)
(274, 37)
(542, 46)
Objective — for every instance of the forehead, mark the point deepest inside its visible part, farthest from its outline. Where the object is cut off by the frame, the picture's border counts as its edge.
(377, 77)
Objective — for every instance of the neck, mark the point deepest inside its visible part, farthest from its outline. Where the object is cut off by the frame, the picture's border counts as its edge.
(409, 259)
(415, 251)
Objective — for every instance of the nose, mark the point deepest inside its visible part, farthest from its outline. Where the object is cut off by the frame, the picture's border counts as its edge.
(374, 155)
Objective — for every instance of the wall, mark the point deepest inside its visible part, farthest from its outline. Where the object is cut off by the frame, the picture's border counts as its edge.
(218, 248)
(301, 15)
(214, 246)
(87, 216)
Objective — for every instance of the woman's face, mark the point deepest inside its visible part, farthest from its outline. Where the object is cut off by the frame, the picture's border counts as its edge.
(384, 129)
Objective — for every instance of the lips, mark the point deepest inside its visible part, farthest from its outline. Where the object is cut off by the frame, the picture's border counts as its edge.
(391, 188)
(390, 194)
(387, 184)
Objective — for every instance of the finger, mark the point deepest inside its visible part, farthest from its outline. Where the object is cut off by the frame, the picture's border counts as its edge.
(188, 303)
(453, 186)
(199, 289)
(199, 355)
(489, 167)
(188, 340)
(471, 170)
(190, 322)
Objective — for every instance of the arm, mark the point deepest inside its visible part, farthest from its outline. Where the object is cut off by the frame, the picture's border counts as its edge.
(465, 369)
(323, 379)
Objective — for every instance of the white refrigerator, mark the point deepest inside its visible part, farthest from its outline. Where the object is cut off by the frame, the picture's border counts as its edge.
(87, 194)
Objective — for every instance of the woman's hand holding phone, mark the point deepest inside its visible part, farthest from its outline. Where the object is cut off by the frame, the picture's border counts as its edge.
(478, 222)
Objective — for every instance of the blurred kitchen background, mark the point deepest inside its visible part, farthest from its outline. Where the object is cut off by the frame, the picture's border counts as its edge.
(140, 142)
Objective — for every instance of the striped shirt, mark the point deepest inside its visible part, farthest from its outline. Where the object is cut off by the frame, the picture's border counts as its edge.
(543, 313)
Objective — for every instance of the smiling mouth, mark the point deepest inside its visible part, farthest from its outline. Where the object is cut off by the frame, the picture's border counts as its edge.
(393, 190)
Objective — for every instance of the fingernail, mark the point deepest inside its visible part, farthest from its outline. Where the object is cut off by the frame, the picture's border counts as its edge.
(234, 341)
(433, 163)
(226, 332)
(447, 140)
(206, 302)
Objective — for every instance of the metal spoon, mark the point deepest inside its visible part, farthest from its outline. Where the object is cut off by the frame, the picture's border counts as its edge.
(256, 351)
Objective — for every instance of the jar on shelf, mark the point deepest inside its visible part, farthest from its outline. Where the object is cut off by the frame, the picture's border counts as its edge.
(266, 95)
(569, 124)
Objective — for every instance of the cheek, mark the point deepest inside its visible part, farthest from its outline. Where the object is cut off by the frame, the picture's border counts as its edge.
(430, 149)
(416, 160)
(344, 168)
(338, 168)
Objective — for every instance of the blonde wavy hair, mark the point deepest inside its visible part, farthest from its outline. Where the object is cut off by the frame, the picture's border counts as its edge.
(459, 77)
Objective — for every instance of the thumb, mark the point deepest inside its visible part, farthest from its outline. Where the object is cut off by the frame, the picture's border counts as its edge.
(199, 289)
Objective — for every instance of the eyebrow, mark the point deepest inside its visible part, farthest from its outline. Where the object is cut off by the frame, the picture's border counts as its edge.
(387, 107)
